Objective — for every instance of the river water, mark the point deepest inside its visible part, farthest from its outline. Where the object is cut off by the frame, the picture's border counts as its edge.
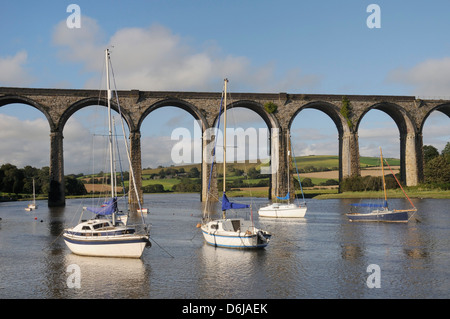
(321, 256)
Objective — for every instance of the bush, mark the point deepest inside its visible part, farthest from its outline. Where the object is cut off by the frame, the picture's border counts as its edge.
(155, 188)
(437, 170)
(270, 107)
(188, 185)
(367, 183)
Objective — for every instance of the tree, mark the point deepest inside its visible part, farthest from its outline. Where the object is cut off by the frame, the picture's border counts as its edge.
(194, 173)
(253, 173)
(12, 179)
(74, 186)
(188, 185)
(153, 188)
(446, 150)
(307, 182)
(429, 152)
(437, 170)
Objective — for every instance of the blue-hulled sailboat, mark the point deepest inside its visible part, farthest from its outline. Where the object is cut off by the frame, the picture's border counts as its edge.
(381, 212)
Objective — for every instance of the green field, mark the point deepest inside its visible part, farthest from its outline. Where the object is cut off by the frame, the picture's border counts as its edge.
(332, 161)
(319, 162)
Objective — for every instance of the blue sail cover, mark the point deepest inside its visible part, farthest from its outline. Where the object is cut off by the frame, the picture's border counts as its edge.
(226, 204)
(371, 205)
(285, 197)
(107, 209)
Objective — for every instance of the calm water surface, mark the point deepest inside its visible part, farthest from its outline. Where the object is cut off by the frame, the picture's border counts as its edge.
(321, 256)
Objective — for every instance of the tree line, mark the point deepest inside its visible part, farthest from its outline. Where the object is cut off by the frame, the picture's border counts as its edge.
(16, 182)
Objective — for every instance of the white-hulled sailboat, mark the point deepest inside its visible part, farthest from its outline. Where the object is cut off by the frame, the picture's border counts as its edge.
(235, 233)
(108, 234)
(285, 210)
(33, 204)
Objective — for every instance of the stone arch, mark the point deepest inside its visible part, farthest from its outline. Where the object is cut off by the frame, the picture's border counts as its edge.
(56, 179)
(329, 109)
(444, 108)
(400, 116)
(273, 126)
(347, 138)
(270, 120)
(12, 99)
(410, 140)
(72, 109)
(184, 105)
(198, 115)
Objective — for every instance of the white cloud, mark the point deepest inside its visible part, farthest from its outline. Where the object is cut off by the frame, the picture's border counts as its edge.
(13, 70)
(156, 151)
(82, 45)
(24, 142)
(154, 58)
(428, 78)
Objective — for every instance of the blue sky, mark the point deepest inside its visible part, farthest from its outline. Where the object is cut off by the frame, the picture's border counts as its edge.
(261, 46)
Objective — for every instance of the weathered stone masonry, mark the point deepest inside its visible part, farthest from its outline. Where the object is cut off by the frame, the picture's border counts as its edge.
(409, 114)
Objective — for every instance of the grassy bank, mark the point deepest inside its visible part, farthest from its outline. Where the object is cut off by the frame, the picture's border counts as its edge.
(412, 192)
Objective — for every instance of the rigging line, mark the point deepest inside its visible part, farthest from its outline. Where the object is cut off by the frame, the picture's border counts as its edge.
(245, 164)
(399, 184)
(120, 160)
(213, 159)
(126, 144)
(160, 246)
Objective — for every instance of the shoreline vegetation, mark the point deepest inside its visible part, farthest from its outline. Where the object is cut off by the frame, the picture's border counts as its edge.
(319, 176)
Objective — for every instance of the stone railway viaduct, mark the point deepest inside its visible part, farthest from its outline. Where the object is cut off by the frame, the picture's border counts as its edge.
(409, 114)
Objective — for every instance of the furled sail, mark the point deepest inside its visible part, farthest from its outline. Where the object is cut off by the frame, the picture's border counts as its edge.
(370, 204)
(226, 204)
(107, 209)
(285, 197)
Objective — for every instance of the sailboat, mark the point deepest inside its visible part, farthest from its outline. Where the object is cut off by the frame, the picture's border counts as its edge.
(33, 204)
(108, 234)
(235, 233)
(381, 212)
(285, 210)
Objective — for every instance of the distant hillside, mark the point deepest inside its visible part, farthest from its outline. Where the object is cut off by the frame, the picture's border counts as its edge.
(332, 161)
(320, 162)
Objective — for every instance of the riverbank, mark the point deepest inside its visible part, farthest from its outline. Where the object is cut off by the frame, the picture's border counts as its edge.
(332, 193)
(314, 192)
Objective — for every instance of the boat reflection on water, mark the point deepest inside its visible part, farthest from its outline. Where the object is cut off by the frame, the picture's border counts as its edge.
(125, 275)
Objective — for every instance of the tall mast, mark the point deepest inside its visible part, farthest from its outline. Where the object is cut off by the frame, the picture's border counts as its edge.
(224, 137)
(224, 132)
(34, 193)
(288, 146)
(382, 172)
(108, 90)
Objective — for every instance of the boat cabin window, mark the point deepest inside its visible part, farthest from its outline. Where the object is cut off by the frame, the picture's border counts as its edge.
(214, 226)
(236, 224)
(101, 225)
(86, 228)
